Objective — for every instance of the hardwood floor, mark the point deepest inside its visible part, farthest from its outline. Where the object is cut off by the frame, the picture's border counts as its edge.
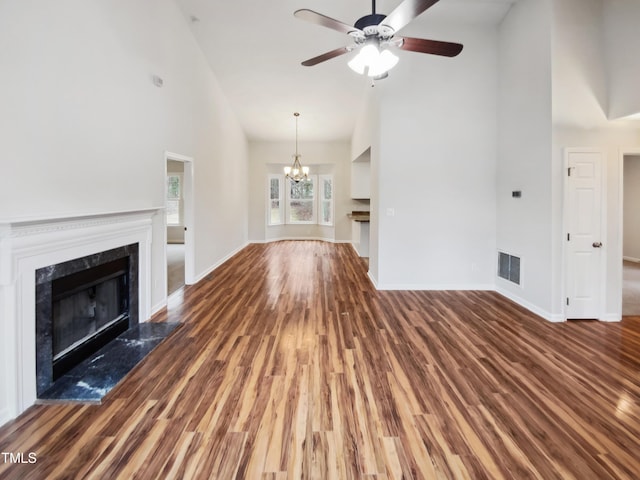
(175, 267)
(290, 365)
(630, 288)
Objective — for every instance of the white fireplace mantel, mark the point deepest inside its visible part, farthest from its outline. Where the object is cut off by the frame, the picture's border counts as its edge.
(29, 244)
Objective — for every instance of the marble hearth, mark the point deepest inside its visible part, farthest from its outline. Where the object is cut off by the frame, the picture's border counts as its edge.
(29, 245)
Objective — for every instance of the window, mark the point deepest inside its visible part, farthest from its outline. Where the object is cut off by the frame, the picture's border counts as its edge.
(301, 205)
(305, 202)
(275, 210)
(174, 199)
(325, 200)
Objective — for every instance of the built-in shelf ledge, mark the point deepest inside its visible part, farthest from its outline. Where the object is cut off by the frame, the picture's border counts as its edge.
(60, 217)
(359, 216)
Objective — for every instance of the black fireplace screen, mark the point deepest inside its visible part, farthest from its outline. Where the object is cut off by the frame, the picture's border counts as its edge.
(90, 308)
(81, 305)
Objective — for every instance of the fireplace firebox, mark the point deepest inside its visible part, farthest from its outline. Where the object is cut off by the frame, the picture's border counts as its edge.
(90, 308)
(81, 305)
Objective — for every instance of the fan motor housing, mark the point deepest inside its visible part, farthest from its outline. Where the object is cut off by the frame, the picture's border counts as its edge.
(369, 20)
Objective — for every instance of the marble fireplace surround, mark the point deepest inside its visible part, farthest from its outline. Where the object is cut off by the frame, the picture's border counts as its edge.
(45, 279)
(28, 245)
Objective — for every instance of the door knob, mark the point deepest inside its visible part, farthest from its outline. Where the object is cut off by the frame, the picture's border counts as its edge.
(597, 244)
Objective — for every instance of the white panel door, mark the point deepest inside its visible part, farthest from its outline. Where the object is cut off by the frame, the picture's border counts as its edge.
(583, 220)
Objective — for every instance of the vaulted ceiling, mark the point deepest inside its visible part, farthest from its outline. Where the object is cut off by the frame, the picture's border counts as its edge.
(255, 48)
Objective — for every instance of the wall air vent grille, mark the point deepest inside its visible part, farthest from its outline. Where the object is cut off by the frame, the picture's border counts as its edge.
(509, 267)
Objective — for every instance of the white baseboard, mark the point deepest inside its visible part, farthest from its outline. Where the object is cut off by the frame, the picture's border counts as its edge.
(551, 317)
(165, 301)
(282, 239)
(219, 262)
(4, 416)
(555, 318)
(631, 259)
(157, 307)
(435, 287)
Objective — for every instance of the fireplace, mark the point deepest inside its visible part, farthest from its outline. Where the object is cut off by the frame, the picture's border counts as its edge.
(35, 244)
(81, 305)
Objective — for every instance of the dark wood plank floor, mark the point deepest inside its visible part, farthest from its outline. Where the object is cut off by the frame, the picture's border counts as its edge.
(290, 365)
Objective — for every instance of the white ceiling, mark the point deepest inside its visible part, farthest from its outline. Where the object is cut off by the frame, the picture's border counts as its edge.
(255, 48)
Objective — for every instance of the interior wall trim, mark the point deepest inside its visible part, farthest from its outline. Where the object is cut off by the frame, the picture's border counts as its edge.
(551, 317)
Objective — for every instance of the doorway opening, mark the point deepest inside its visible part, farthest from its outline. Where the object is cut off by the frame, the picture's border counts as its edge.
(631, 233)
(179, 251)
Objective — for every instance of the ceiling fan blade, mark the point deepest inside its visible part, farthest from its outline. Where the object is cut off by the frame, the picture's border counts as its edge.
(405, 12)
(326, 56)
(434, 47)
(323, 20)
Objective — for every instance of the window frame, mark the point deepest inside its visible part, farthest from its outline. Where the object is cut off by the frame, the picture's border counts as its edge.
(284, 198)
(179, 199)
(281, 202)
(322, 199)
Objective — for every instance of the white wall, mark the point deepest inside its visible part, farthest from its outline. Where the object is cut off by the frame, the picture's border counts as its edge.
(580, 94)
(631, 199)
(580, 102)
(363, 133)
(322, 158)
(84, 130)
(368, 135)
(583, 46)
(524, 153)
(435, 167)
(621, 19)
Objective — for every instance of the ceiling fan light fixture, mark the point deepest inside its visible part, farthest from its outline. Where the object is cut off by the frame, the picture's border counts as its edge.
(385, 62)
(369, 53)
(373, 61)
(371, 31)
(357, 64)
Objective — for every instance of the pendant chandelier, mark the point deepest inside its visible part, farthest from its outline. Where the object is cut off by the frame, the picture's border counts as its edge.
(296, 172)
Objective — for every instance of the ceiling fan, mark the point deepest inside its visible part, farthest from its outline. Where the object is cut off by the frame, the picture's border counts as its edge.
(374, 33)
